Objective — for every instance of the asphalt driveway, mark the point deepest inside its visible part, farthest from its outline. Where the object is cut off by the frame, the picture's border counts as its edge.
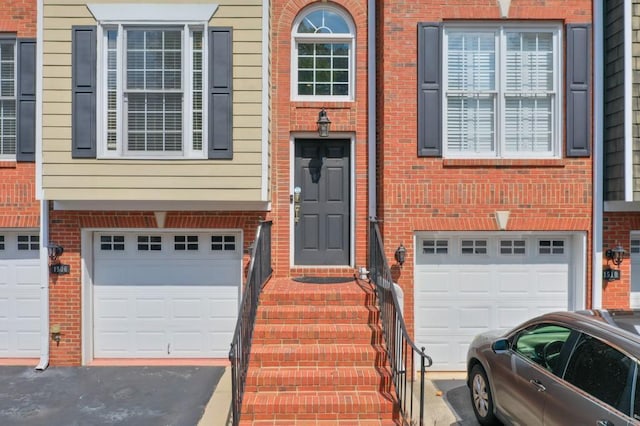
(97, 396)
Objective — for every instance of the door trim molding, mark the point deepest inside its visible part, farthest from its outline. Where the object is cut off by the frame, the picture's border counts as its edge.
(352, 191)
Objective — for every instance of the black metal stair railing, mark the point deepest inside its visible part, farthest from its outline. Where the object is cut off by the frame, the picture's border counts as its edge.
(260, 270)
(408, 363)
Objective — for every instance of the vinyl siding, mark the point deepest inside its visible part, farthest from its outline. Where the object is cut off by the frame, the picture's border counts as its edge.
(239, 179)
(636, 98)
(614, 100)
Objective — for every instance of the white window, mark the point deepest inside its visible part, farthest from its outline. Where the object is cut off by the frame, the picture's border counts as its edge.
(152, 91)
(8, 99)
(501, 91)
(323, 55)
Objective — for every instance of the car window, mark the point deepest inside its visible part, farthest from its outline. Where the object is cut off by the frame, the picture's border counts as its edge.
(603, 372)
(542, 344)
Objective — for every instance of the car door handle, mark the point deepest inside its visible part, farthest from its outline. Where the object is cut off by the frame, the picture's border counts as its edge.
(604, 423)
(538, 385)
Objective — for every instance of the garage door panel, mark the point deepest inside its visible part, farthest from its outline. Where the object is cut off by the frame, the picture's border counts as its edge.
(458, 296)
(19, 296)
(169, 304)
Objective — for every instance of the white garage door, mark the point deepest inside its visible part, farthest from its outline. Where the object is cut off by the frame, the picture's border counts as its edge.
(471, 284)
(165, 295)
(19, 294)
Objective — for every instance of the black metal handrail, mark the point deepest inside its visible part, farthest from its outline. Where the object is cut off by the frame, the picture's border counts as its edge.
(402, 352)
(259, 272)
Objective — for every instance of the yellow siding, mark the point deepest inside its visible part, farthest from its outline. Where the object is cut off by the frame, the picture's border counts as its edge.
(237, 180)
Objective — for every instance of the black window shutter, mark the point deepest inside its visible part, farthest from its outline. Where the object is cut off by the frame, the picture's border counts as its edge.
(429, 89)
(220, 93)
(83, 101)
(26, 100)
(578, 122)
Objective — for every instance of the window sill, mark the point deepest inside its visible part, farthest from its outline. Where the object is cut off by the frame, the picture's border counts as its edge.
(503, 163)
(6, 164)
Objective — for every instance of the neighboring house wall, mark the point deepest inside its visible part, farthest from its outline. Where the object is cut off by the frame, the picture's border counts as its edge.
(18, 206)
(434, 194)
(194, 195)
(614, 101)
(239, 178)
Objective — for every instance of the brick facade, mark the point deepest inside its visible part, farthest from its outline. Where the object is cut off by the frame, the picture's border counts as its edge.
(66, 290)
(290, 118)
(436, 194)
(18, 17)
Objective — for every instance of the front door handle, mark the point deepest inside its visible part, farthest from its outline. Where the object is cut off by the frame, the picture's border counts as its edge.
(297, 191)
(538, 385)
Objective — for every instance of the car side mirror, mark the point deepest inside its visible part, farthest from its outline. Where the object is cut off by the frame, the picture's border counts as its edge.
(500, 345)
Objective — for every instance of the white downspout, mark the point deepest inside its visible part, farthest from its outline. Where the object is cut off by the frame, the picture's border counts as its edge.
(598, 150)
(44, 287)
(372, 110)
(44, 204)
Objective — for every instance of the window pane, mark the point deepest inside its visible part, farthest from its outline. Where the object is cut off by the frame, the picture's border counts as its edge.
(471, 64)
(471, 124)
(154, 122)
(601, 371)
(542, 344)
(528, 125)
(321, 71)
(154, 59)
(529, 62)
(323, 21)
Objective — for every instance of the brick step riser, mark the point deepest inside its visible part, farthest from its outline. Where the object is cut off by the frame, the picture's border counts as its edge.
(301, 361)
(353, 316)
(317, 409)
(362, 422)
(314, 299)
(311, 337)
(293, 383)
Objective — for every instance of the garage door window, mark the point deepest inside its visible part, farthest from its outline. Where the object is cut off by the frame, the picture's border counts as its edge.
(1, 242)
(149, 243)
(435, 246)
(223, 243)
(186, 242)
(551, 247)
(512, 247)
(28, 242)
(112, 242)
(474, 247)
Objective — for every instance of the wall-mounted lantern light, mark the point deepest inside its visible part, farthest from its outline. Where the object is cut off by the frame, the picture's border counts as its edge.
(54, 251)
(616, 255)
(400, 254)
(323, 123)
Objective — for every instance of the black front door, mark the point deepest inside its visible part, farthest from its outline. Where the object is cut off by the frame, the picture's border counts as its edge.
(322, 222)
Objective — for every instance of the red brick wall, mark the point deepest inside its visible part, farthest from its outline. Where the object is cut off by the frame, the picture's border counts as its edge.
(66, 290)
(289, 117)
(434, 194)
(616, 229)
(18, 206)
(18, 16)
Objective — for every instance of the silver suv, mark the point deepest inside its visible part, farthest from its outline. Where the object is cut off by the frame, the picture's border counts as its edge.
(563, 368)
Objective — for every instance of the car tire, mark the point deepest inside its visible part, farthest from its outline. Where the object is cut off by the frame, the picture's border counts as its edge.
(481, 398)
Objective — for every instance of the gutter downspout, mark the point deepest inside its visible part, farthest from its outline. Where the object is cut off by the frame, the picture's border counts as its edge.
(371, 110)
(44, 287)
(44, 204)
(598, 151)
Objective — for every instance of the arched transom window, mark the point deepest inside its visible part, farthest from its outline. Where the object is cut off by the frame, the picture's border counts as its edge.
(323, 46)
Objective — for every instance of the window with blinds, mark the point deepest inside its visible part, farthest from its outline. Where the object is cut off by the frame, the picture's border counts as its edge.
(501, 92)
(154, 91)
(8, 117)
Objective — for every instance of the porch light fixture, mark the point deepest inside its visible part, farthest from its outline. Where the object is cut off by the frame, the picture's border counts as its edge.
(616, 255)
(400, 254)
(54, 251)
(323, 123)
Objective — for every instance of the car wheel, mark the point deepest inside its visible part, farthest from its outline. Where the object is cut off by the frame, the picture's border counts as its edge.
(481, 398)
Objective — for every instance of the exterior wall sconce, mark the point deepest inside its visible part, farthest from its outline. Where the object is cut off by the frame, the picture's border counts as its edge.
(400, 254)
(54, 251)
(616, 255)
(323, 123)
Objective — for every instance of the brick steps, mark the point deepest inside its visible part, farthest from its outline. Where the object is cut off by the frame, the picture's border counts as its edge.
(312, 405)
(317, 357)
(287, 334)
(320, 379)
